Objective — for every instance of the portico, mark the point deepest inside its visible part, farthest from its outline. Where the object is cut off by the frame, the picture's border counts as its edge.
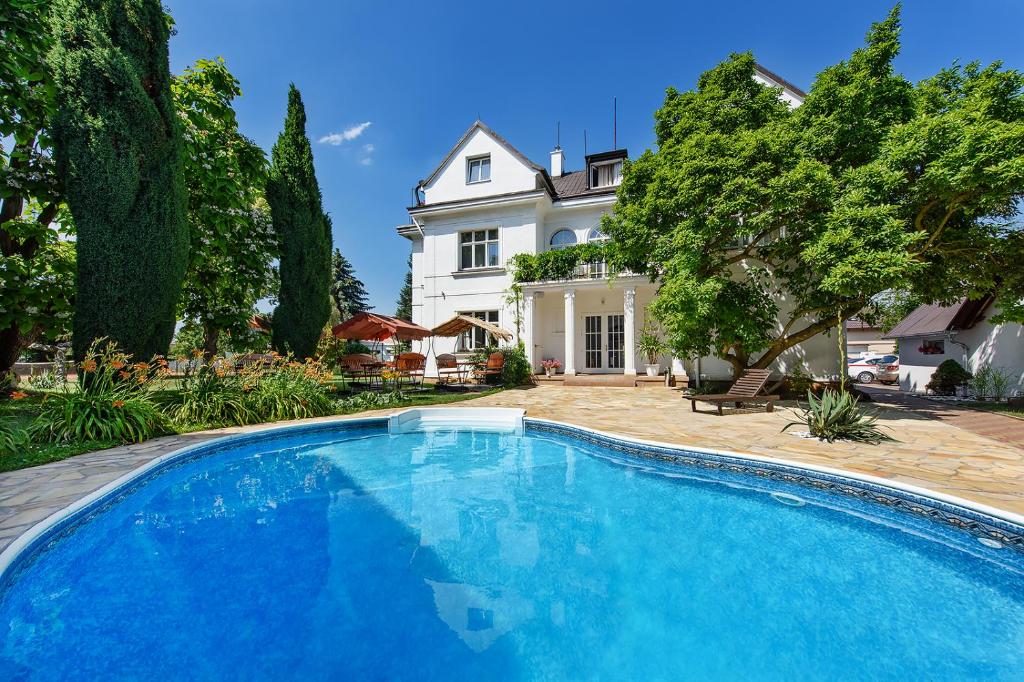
(589, 325)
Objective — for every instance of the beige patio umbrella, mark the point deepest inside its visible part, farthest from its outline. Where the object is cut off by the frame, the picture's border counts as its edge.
(462, 323)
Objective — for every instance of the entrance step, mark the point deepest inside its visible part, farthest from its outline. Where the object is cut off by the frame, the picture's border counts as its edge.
(619, 380)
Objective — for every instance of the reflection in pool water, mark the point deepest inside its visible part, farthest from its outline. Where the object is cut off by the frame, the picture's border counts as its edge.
(458, 554)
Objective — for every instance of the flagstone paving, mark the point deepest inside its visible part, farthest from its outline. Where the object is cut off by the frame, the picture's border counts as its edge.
(929, 452)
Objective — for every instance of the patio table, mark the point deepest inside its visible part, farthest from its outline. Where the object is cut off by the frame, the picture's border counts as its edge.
(371, 370)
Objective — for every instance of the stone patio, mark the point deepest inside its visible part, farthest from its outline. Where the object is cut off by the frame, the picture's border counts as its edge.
(930, 452)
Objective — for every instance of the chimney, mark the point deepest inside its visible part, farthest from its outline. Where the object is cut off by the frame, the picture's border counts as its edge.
(557, 162)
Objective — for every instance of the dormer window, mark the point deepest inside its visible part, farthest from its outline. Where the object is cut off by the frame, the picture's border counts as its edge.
(478, 169)
(605, 169)
(605, 174)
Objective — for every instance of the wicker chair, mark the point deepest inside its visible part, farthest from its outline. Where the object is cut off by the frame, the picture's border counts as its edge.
(492, 368)
(411, 366)
(354, 367)
(448, 369)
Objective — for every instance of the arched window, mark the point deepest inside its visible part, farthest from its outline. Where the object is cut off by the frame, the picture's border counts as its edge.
(596, 235)
(562, 239)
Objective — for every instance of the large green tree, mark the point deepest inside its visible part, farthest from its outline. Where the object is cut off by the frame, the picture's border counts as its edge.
(347, 290)
(36, 257)
(766, 225)
(404, 302)
(304, 237)
(232, 244)
(118, 150)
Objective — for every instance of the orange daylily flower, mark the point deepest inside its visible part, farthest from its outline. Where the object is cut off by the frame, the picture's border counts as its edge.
(18, 395)
(117, 364)
(89, 365)
(118, 403)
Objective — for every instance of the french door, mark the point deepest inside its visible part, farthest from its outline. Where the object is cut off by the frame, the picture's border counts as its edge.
(604, 339)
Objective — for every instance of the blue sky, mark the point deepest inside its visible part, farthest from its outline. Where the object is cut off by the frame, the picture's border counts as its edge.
(420, 73)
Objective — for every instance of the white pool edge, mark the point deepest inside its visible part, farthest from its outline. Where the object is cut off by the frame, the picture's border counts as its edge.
(19, 544)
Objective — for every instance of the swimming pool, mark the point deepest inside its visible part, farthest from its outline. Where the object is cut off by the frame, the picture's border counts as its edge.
(351, 550)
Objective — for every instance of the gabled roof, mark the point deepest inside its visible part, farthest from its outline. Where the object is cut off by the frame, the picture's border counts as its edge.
(480, 125)
(937, 319)
(779, 80)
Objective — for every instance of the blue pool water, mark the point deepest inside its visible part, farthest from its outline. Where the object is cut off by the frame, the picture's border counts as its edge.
(475, 555)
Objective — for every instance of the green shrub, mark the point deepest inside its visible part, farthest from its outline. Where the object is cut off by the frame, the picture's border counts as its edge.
(516, 371)
(837, 416)
(211, 394)
(372, 401)
(45, 381)
(989, 381)
(113, 401)
(288, 390)
(947, 377)
(798, 381)
(11, 437)
(1001, 380)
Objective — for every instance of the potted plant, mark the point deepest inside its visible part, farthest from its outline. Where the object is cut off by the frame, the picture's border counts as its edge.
(550, 366)
(651, 346)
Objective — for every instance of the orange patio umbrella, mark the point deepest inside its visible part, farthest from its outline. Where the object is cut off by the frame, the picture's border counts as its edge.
(374, 327)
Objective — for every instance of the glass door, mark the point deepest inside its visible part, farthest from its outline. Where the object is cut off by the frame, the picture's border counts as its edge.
(592, 341)
(616, 341)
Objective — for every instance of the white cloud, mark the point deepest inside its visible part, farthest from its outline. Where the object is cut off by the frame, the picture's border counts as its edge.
(346, 135)
(366, 161)
(368, 148)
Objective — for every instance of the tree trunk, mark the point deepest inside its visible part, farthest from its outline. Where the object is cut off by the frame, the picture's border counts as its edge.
(211, 335)
(12, 343)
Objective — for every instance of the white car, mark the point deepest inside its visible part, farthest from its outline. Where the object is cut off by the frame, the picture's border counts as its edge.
(868, 368)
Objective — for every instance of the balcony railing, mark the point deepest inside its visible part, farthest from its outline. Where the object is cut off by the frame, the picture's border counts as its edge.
(593, 260)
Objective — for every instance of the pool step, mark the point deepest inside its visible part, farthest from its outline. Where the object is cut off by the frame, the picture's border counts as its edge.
(504, 419)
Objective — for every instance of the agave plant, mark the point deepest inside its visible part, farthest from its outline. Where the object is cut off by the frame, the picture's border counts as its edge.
(838, 416)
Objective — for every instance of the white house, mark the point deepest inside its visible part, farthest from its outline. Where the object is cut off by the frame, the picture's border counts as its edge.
(962, 332)
(486, 202)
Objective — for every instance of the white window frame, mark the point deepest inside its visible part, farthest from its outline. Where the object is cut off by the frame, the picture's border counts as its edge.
(491, 237)
(616, 177)
(471, 161)
(475, 338)
(554, 247)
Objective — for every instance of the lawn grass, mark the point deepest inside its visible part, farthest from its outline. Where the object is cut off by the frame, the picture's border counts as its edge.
(22, 412)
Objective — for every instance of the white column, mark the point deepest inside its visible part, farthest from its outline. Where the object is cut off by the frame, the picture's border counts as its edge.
(528, 327)
(570, 332)
(628, 305)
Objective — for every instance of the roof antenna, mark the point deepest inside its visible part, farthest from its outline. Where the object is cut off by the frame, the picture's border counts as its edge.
(585, 142)
(615, 123)
(558, 135)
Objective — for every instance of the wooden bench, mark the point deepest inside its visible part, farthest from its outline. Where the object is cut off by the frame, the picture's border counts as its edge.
(745, 390)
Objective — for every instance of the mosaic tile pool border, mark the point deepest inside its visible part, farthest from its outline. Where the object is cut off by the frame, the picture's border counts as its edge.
(975, 522)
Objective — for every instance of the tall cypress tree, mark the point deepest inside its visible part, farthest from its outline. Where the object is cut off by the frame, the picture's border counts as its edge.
(118, 152)
(304, 237)
(347, 290)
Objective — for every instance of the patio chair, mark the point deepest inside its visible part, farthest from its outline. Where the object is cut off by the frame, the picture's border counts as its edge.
(354, 366)
(745, 390)
(448, 369)
(411, 366)
(492, 368)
